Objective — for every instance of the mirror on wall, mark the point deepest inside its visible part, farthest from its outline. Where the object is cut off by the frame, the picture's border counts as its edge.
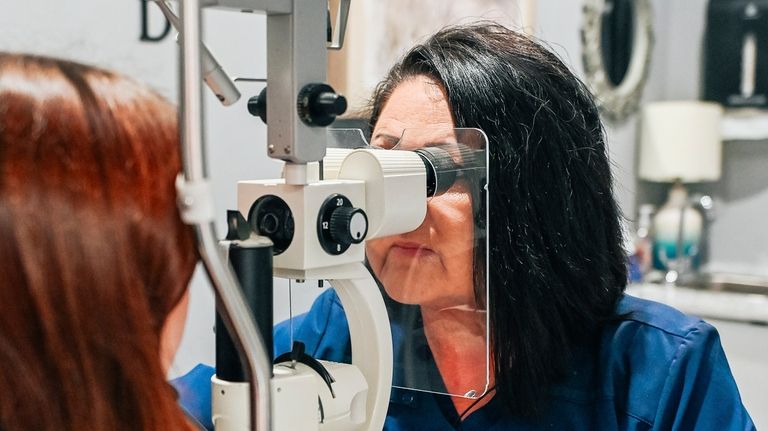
(617, 39)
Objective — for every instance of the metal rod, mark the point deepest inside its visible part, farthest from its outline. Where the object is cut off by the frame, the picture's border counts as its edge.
(235, 312)
(680, 243)
(193, 147)
(213, 74)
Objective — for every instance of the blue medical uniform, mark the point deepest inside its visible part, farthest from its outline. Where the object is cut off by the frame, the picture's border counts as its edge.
(653, 368)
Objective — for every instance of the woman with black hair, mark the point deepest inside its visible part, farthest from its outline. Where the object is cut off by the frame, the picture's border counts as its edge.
(569, 350)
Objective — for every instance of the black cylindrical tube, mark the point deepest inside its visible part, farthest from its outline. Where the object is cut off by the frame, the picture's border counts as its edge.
(252, 263)
(441, 169)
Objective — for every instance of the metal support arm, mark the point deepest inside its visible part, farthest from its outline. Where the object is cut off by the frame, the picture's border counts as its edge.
(235, 312)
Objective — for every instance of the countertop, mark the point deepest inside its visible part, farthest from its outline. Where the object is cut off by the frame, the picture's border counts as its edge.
(739, 307)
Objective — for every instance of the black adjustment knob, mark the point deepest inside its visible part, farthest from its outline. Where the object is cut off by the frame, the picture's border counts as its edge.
(348, 225)
(340, 224)
(319, 104)
(257, 105)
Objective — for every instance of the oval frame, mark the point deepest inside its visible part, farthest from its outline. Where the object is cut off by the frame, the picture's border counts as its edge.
(617, 102)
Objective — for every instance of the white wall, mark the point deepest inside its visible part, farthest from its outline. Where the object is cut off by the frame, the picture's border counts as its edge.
(103, 33)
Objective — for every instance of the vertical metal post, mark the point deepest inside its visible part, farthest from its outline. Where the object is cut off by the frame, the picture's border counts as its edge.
(193, 147)
(235, 311)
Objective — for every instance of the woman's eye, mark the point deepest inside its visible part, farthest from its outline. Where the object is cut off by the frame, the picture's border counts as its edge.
(384, 142)
(383, 145)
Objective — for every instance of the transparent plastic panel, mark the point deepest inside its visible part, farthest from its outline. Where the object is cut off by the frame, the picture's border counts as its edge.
(434, 278)
(350, 139)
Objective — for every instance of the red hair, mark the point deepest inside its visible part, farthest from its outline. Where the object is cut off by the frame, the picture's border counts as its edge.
(93, 254)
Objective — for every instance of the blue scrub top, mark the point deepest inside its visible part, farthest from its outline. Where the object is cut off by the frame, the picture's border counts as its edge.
(654, 368)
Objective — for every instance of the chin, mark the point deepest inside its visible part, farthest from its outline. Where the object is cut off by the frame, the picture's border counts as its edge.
(413, 287)
(404, 296)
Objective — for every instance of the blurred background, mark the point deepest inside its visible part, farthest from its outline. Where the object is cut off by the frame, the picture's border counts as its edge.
(682, 84)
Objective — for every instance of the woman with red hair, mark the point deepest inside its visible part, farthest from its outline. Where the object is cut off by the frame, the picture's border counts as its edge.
(94, 257)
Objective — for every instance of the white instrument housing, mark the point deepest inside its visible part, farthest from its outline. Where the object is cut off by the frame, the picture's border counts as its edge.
(301, 400)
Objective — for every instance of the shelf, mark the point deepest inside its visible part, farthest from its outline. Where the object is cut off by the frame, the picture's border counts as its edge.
(745, 125)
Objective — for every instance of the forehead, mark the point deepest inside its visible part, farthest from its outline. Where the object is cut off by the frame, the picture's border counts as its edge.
(417, 102)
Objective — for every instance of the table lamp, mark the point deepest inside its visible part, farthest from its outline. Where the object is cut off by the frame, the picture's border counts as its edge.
(680, 142)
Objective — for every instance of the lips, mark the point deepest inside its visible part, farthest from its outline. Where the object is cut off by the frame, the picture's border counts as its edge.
(410, 249)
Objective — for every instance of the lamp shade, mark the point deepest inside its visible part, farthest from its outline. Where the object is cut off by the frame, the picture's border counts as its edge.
(681, 140)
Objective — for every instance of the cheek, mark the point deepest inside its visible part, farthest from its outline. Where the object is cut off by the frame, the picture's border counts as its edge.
(454, 236)
(172, 331)
(453, 223)
(375, 251)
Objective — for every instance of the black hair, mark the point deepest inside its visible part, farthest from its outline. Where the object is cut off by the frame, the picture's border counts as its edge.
(555, 235)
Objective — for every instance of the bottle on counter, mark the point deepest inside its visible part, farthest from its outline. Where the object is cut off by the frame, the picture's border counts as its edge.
(642, 247)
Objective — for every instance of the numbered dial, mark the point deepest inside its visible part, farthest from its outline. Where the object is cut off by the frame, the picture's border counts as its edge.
(340, 225)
